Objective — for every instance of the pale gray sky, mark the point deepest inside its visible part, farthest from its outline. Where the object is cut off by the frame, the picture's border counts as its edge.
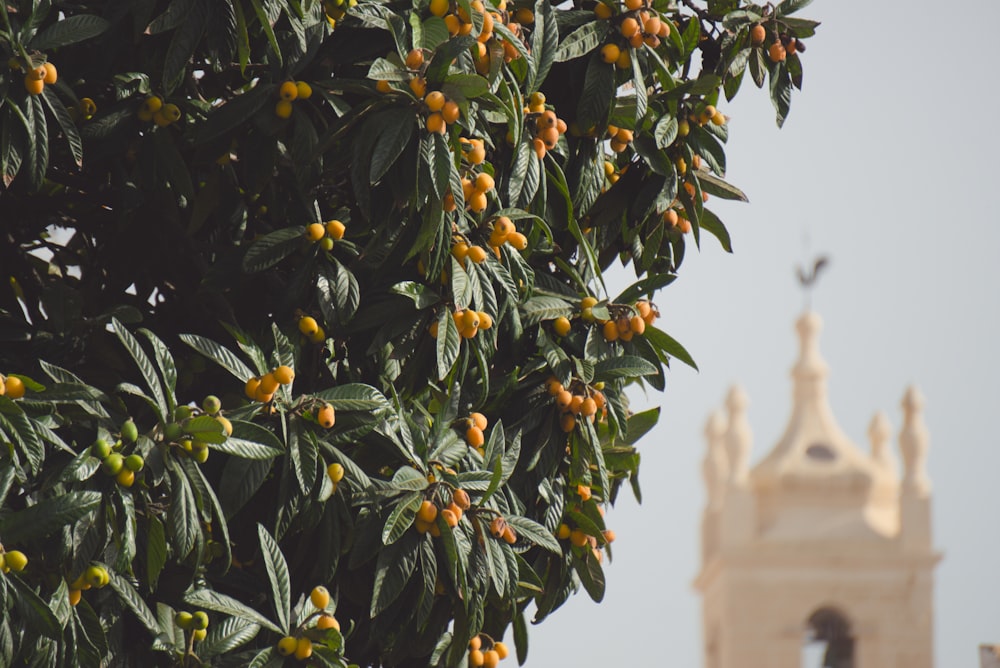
(887, 164)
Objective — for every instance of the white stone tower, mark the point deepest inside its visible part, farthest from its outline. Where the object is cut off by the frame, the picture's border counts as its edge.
(820, 540)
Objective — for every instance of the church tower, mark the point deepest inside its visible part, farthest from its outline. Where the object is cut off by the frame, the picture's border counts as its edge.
(820, 541)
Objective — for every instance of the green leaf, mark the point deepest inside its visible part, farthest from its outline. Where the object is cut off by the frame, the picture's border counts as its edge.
(393, 570)
(36, 613)
(781, 92)
(591, 576)
(541, 308)
(69, 31)
(182, 46)
(401, 517)
(355, 397)
(66, 123)
(130, 597)
(582, 41)
(626, 366)
(266, 24)
(220, 355)
(705, 145)
(534, 532)
(227, 635)
(461, 85)
(667, 344)
(544, 44)
(182, 517)
(272, 248)
(233, 114)
(47, 516)
(790, 7)
(598, 93)
(145, 366)
(711, 223)
(639, 424)
(448, 343)
(396, 134)
(719, 188)
(277, 574)
(156, 551)
(211, 600)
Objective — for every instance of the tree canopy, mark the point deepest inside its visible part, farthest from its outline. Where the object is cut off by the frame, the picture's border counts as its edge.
(307, 353)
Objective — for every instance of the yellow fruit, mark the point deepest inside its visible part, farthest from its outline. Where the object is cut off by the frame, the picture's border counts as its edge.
(578, 538)
(283, 109)
(439, 7)
(326, 416)
(51, 75)
(74, 596)
(335, 471)
(319, 336)
(567, 422)
(474, 437)
(14, 387)
(288, 91)
(15, 560)
(33, 86)
(308, 326)
(125, 477)
(268, 384)
(602, 11)
(435, 123)
(303, 649)
(477, 254)
(94, 576)
(314, 232)
(490, 658)
(562, 325)
(476, 658)
(757, 35)
(450, 112)
(304, 90)
(172, 112)
(610, 52)
(485, 320)
(518, 241)
(320, 597)
(477, 202)
(383, 86)
(287, 645)
(199, 634)
(418, 86)
(610, 331)
(479, 420)
(563, 532)
(435, 100)
(284, 374)
(501, 649)
(428, 511)
(484, 182)
(450, 518)
(324, 622)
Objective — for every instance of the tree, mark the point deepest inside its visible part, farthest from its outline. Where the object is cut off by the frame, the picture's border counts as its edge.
(377, 231)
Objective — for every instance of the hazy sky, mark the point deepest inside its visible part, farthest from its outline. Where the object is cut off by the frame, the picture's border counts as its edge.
(887, 164)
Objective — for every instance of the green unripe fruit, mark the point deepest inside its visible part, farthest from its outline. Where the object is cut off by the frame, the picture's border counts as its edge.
(326, 243)
(100, 448)
(134, 462)
(94, 576)
(227, 426)
(200, 620)
(211, 404)
(199, 635)
(172, 431)
(130, 432)
(182, 413)
(15, 560)
(184, 619)
(200, 456)
(113, 463)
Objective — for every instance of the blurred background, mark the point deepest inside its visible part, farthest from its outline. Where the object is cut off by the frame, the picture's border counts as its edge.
(887, 165)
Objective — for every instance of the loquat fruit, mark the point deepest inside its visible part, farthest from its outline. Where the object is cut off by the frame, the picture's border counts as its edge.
(501, 649)
(477, 202)
(288, 91)
(479, 420)
(33, 86)
(490, 658)
(303, 649)
(326, 416)
(777, 53)
(287, 646)
(51, 74)
(308, 325)
(14, 387)
(304, 90)
(484, 182)
(74, 596)
(439, 7)
(461, 498)
(382, 86)
(609, 52)
(476, 658)
(428, 512)
(418, 86)
(474, 437)
(319, 597)
(414, 59)
(602, 11)
(485, 320)
(562, 325)
(757, 35)
(283, 109)
(324, 622)
(335, 472)
(518, 241)
(567, 422)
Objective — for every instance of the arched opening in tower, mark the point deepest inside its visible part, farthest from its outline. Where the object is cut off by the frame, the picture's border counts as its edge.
(828, 641)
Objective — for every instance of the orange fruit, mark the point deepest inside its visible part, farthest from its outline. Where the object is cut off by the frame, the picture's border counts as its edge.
(284, 374)
(288, 91)
(577, 538)
(637, 324)
(335, 229)
(283, 109)
(461, 498)
(477, 254)
(428, 511)
(251, 387)
(602, 11)
(490, 658)
(501, 649)
(563, 399)
(308, 325)
(324, 622)
(435, 100)
(485, 320)
(304, 90)
(326, 416)
(757, 35)
(14, 387)
(474, 437)
(777, 52)
(33, 86)
(477, 202)
(610, 331)
(449, 518)
(479, 420)
(51, 75)
(562, 325)
(414, 59)
(567, 422)
(435, 123)
(268, 383)
(450, 111)
(418, 86)
(383, 86)
(610, 52)
(484, 182)
(629, 27)
(518, 241)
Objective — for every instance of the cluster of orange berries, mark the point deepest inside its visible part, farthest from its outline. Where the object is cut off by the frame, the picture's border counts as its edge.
(426, 518)
(474, 192)
(461, 250)
(325, 235)
(500, 530)
(503, 232)
(671, 218)
(288, 92)
(785, 45)
(486, 655)
(548, 126)
(153, 109)
(308, 327)
(336, 9)
(36, 77)
(611, 172)
(262, 388)
(639, 24)
(579, 538)
(475, 428)
(620, 138)
(579, 400)
(11, 386)
(301, 646)
(94, 577)
(629, 321)
(468, 322)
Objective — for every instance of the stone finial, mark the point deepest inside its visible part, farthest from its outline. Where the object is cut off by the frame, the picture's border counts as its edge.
(879, 433)
(913, 442)
(810, 371)
(739, 438)
(715, 466)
